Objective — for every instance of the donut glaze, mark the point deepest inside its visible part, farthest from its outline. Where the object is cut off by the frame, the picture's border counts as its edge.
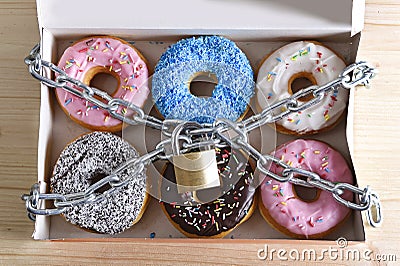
(308, 60)
(193, 56)
(88, 57)
(89, 159)
(222, 215)
(283, 208)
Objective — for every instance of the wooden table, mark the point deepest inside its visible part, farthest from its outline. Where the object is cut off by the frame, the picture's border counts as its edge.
(377, 154)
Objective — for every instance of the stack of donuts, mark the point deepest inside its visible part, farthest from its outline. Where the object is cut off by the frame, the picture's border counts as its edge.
(92, 156)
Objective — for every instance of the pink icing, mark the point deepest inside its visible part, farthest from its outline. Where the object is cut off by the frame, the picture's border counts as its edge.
(291, 212)
(114, 55)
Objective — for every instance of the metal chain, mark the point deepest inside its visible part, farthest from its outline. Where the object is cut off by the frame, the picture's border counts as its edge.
(356, 74)
(115, 106)
(90, 195)
(365, 199)
(192, 137)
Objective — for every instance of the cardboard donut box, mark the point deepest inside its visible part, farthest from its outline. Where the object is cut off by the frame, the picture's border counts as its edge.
(257, 27)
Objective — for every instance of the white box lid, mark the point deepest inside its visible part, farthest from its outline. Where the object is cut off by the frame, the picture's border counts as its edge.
(162, 18)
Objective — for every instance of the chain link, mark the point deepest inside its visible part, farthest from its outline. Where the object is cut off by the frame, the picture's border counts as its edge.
(90, 195)
(196, 136)
(365, 199)
(354, 75)
(36, 66)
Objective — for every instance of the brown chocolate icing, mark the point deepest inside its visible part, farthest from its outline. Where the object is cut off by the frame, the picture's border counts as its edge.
(227, 210)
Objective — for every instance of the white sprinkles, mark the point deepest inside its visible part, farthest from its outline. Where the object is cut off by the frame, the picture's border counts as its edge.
(81, 163)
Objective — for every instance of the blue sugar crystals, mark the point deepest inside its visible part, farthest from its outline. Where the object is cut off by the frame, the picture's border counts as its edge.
(204, 54)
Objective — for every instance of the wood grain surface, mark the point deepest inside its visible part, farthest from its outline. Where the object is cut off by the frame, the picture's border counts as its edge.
(376, 160)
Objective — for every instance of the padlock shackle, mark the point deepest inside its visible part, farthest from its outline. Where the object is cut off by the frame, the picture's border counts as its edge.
(177, 132)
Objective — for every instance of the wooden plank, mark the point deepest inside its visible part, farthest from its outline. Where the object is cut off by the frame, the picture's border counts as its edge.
(376, 159)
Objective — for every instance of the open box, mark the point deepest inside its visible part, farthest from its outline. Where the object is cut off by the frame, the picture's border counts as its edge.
(257, 27)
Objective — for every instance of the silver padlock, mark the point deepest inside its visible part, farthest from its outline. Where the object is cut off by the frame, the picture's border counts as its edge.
(195, 170)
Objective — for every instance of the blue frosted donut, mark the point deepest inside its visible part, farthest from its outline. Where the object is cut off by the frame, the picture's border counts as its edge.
(207, 54)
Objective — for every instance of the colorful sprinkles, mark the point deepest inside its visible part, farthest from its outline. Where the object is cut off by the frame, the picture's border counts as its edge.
(217, 216)
(303, 57)
(282, 204)
(99, 52)
(68, 101)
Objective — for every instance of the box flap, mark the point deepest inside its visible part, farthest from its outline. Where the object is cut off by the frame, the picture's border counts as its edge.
(205, 16)
(358, 16)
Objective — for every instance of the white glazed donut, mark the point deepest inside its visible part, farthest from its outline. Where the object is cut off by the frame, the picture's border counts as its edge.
(314, 62)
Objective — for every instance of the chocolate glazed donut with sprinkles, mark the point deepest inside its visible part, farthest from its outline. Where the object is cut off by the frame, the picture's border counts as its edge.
(87, 160)
(220, 216)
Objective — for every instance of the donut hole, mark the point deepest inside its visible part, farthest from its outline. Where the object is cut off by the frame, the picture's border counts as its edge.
(307, 194)
(300, 81)
(96, 177)
(102, 79)
(202, 84)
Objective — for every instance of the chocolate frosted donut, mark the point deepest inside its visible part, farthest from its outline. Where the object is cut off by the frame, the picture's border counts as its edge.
(219, 217)
(87, 160)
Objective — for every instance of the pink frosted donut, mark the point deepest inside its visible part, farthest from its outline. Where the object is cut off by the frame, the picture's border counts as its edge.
(286, 211)
(103, 54)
